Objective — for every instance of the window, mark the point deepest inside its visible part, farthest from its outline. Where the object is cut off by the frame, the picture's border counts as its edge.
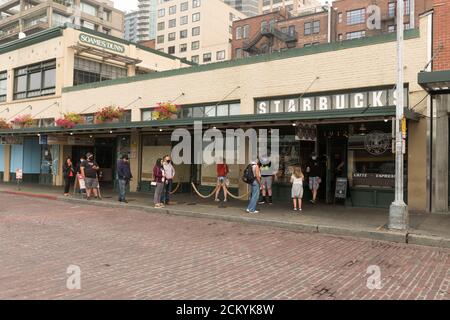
(3, 83)
(183, 20)
(195, 59)
(407, 26)
(195, 31)
(184, 6)
(340, 17)
(183, 34)
(211, 110)
(196, 17)
(183, 47)
(172, 10)
(161, 13)
(161, 26)
(207, 57)
(391, 29)
(160, 39)
(89, 9)
(291, 30)
(220, 55)
(356, 35)
(172, 36)
(246, 31)
(392, 9)
(172, 23)
(35, 80)
(196, 3)
(171, 50)
(195, 45)
(316, 27)
(340, 37)
(308, 27)
(238, 33)
(238, 53)
(89, 71)
(356, 16)
(89, 25)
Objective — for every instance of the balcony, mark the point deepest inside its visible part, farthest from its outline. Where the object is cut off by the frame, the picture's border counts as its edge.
(271, 32)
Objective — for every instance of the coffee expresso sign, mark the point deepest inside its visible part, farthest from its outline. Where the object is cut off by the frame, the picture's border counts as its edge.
(102, 43)
(335, 101)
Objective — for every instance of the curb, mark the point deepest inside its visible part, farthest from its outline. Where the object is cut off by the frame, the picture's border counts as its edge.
(388, 236)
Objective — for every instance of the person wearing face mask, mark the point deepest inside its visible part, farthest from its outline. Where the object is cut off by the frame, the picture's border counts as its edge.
(169, 175)
(124, 177)
(313, 170)
(89, 171)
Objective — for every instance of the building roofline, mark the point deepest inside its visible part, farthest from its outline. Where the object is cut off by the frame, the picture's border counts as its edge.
(58, 32)
(298, 52)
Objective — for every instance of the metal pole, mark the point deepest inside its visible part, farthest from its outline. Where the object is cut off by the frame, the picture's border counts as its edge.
(398, 213)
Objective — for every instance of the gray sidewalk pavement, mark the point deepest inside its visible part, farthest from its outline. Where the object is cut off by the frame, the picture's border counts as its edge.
(425, 229)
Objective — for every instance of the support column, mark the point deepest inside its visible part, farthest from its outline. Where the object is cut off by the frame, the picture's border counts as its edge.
(7, 155)
(440, 153)
(134, 160)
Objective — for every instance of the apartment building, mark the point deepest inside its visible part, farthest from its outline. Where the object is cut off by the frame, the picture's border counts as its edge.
(131, 26)
(248, 7)
(293, 7)
(26, 17)
(146, 25)
(279, 31)
(354, 17)
(200, 31)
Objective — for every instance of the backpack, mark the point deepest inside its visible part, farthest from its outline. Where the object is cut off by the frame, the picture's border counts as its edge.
(248, 176)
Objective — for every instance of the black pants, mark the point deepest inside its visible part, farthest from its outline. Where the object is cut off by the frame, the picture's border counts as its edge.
(67, 183)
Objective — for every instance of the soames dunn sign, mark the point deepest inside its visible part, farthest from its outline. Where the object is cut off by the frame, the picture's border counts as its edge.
(102, 43)
(331, 101)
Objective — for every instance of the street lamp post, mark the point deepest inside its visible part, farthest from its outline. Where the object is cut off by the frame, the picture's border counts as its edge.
(398, 213)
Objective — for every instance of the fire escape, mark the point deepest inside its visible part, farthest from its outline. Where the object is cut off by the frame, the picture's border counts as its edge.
(270, 32)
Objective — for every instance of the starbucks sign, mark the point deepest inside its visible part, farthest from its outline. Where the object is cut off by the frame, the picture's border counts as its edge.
(102, 43)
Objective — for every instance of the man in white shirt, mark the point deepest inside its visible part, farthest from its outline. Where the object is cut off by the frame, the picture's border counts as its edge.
(169, 171)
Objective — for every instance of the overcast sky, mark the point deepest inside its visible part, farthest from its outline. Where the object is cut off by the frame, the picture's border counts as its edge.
(128, 5)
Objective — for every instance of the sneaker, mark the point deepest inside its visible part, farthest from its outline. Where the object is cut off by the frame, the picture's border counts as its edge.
(312, 201)
(295, 209)
(248, 211)
(225, 200)
(256, 211)
(217, 200)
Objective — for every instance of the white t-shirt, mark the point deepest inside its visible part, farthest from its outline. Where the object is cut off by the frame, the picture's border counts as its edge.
(295, 180)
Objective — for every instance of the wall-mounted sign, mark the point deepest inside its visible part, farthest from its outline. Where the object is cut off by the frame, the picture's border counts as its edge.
(374, 179)
(377, 142)
(81, 141)
(10, 140)
(306, 132)
(361, 100)
(102, 43)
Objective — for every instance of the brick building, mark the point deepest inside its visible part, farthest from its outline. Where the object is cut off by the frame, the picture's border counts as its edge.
(278, 31)
(347, 20)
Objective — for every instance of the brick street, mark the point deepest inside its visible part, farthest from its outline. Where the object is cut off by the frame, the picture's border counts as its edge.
(131, 254)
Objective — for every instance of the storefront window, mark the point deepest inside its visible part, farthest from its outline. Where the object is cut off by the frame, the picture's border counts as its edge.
(49, 159)
(370, 158)
(88, 71)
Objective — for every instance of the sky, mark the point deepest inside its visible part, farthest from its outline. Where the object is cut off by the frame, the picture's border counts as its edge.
(128, 5)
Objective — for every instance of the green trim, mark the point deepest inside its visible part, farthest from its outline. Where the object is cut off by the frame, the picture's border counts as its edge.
(247, 118)
(409, 34)
(434, 77)
(31, 39)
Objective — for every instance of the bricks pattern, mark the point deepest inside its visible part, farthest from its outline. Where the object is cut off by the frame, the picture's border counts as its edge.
(134, 255)
(441, 35)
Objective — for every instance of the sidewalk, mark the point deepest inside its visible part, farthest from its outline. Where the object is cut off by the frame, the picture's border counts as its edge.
(425, 229)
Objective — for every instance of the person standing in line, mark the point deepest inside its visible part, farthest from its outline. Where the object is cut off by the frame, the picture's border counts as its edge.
(313, 170)
(124, 177)
(256, 187)
(222, 173)
(169, 171)
(69, 175)
(267, 177)
(158, 176)
(89, 171)
(297, 188)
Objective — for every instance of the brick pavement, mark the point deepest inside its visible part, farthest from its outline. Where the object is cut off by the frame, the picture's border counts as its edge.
(132, 254)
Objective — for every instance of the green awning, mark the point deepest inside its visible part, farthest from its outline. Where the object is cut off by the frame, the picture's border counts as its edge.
(435, 82)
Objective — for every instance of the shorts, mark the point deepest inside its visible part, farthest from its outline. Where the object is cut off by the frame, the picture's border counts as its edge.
(314, 183)
(91, 183)
(297, 191)
(267, 182)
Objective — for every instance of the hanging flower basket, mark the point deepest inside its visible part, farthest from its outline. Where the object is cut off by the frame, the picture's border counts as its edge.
(24, 121)
(4, 124)
(69, 121)
(166, 111)
(109, 114)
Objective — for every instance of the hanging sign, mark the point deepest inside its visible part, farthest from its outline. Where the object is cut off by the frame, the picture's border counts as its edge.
(102, 43)
(10, 140)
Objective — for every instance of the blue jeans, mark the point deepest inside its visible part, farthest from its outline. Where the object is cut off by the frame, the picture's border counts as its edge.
(122, 189)
(165, 197)
(254, 197)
